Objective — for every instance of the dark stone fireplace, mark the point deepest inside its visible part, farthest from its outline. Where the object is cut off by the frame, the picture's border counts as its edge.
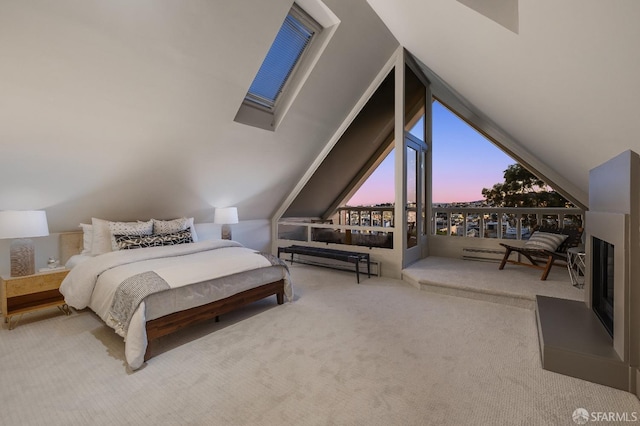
(602, 275)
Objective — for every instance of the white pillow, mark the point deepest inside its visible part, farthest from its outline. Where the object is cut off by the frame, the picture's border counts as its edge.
(128, 228)
(545, 240)
(101, 237)
(87, 238)
(190, 224)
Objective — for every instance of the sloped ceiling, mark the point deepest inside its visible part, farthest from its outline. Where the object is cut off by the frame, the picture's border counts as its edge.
(359, 151)
(124, 110)
(371, 129)
(566, 86)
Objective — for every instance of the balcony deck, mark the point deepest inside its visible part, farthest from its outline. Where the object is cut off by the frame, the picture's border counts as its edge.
(515, 285)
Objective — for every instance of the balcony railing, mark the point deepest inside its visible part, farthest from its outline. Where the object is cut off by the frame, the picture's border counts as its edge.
(366, 216)
(367, 236)
(500, 223)
(374, 226)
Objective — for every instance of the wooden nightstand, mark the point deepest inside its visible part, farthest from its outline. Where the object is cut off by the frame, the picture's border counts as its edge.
(19, 295)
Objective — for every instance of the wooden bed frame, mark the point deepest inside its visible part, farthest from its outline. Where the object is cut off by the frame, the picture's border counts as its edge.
(178, 320)
(71, 243)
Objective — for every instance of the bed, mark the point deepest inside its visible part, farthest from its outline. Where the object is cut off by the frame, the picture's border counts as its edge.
(166, 288)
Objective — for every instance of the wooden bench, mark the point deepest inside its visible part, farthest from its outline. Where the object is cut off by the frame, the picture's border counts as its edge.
(343, 255)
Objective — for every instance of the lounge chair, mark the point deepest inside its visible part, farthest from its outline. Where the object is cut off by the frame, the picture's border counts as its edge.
(545, 247)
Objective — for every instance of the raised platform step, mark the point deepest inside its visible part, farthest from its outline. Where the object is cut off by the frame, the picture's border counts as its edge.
(574, 342)
(515, 286)
(488, 295)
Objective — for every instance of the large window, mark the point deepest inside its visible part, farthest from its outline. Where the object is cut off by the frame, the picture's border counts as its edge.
(289, 46)
(471, 174)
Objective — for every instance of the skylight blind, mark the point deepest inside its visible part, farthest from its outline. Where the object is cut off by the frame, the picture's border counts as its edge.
(282, 58)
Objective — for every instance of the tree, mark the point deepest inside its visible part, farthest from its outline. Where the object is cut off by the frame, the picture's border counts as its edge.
(521, 188)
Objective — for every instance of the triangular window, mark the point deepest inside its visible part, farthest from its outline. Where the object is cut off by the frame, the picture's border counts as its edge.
(378, 188)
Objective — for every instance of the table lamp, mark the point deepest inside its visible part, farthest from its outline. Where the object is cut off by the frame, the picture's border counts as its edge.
(226, 216)
(21, 226)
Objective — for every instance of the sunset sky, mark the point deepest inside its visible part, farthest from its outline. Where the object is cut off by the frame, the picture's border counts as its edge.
(464, 162)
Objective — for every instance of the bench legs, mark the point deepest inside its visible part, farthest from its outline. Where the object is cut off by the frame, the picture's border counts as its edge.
(347, 257)
(280, 250)
(357, 262)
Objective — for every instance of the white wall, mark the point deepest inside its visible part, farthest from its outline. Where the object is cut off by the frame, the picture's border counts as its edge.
(125, 110)
(255, 234)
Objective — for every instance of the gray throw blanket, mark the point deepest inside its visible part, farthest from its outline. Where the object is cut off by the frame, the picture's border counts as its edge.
(128, 296)
(275, 260)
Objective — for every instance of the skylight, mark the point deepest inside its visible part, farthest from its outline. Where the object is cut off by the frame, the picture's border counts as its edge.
(301, 39)
(285, 52)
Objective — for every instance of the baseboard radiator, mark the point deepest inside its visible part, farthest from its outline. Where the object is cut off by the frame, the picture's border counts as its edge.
(335, 264)
(483, 254)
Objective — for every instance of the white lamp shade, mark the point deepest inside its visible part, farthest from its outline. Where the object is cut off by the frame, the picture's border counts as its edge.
(23, 223)
(226, 215)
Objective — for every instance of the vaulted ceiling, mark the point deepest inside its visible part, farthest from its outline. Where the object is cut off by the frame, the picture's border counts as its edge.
(125, 110)
(564, 86)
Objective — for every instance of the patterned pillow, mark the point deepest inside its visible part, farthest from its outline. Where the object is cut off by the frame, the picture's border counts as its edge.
(545, 240)
(169, 226)
(129, 228)
(175, 225)
(127, 242)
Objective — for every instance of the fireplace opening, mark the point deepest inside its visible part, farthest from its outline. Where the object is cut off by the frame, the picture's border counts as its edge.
(602, 282)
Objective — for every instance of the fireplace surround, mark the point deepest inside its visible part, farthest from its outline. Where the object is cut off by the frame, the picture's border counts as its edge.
(611, 229)
(602, 281)
(599, 339)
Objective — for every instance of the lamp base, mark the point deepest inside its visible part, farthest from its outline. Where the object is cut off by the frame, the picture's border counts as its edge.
(22, 257)
(226, 232)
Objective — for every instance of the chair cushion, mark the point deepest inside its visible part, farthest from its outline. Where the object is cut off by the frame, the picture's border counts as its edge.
(545, 240)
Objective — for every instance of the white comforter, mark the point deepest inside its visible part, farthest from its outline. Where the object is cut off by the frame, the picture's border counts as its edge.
(94, 281)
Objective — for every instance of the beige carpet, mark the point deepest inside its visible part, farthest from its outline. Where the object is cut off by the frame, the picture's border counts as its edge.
(515, 285)
(378, 353)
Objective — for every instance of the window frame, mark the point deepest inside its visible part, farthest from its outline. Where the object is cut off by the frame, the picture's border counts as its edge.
(310, 25)
(251, 113)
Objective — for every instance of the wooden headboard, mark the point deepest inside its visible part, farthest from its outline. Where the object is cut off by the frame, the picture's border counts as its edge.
(70, 244)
